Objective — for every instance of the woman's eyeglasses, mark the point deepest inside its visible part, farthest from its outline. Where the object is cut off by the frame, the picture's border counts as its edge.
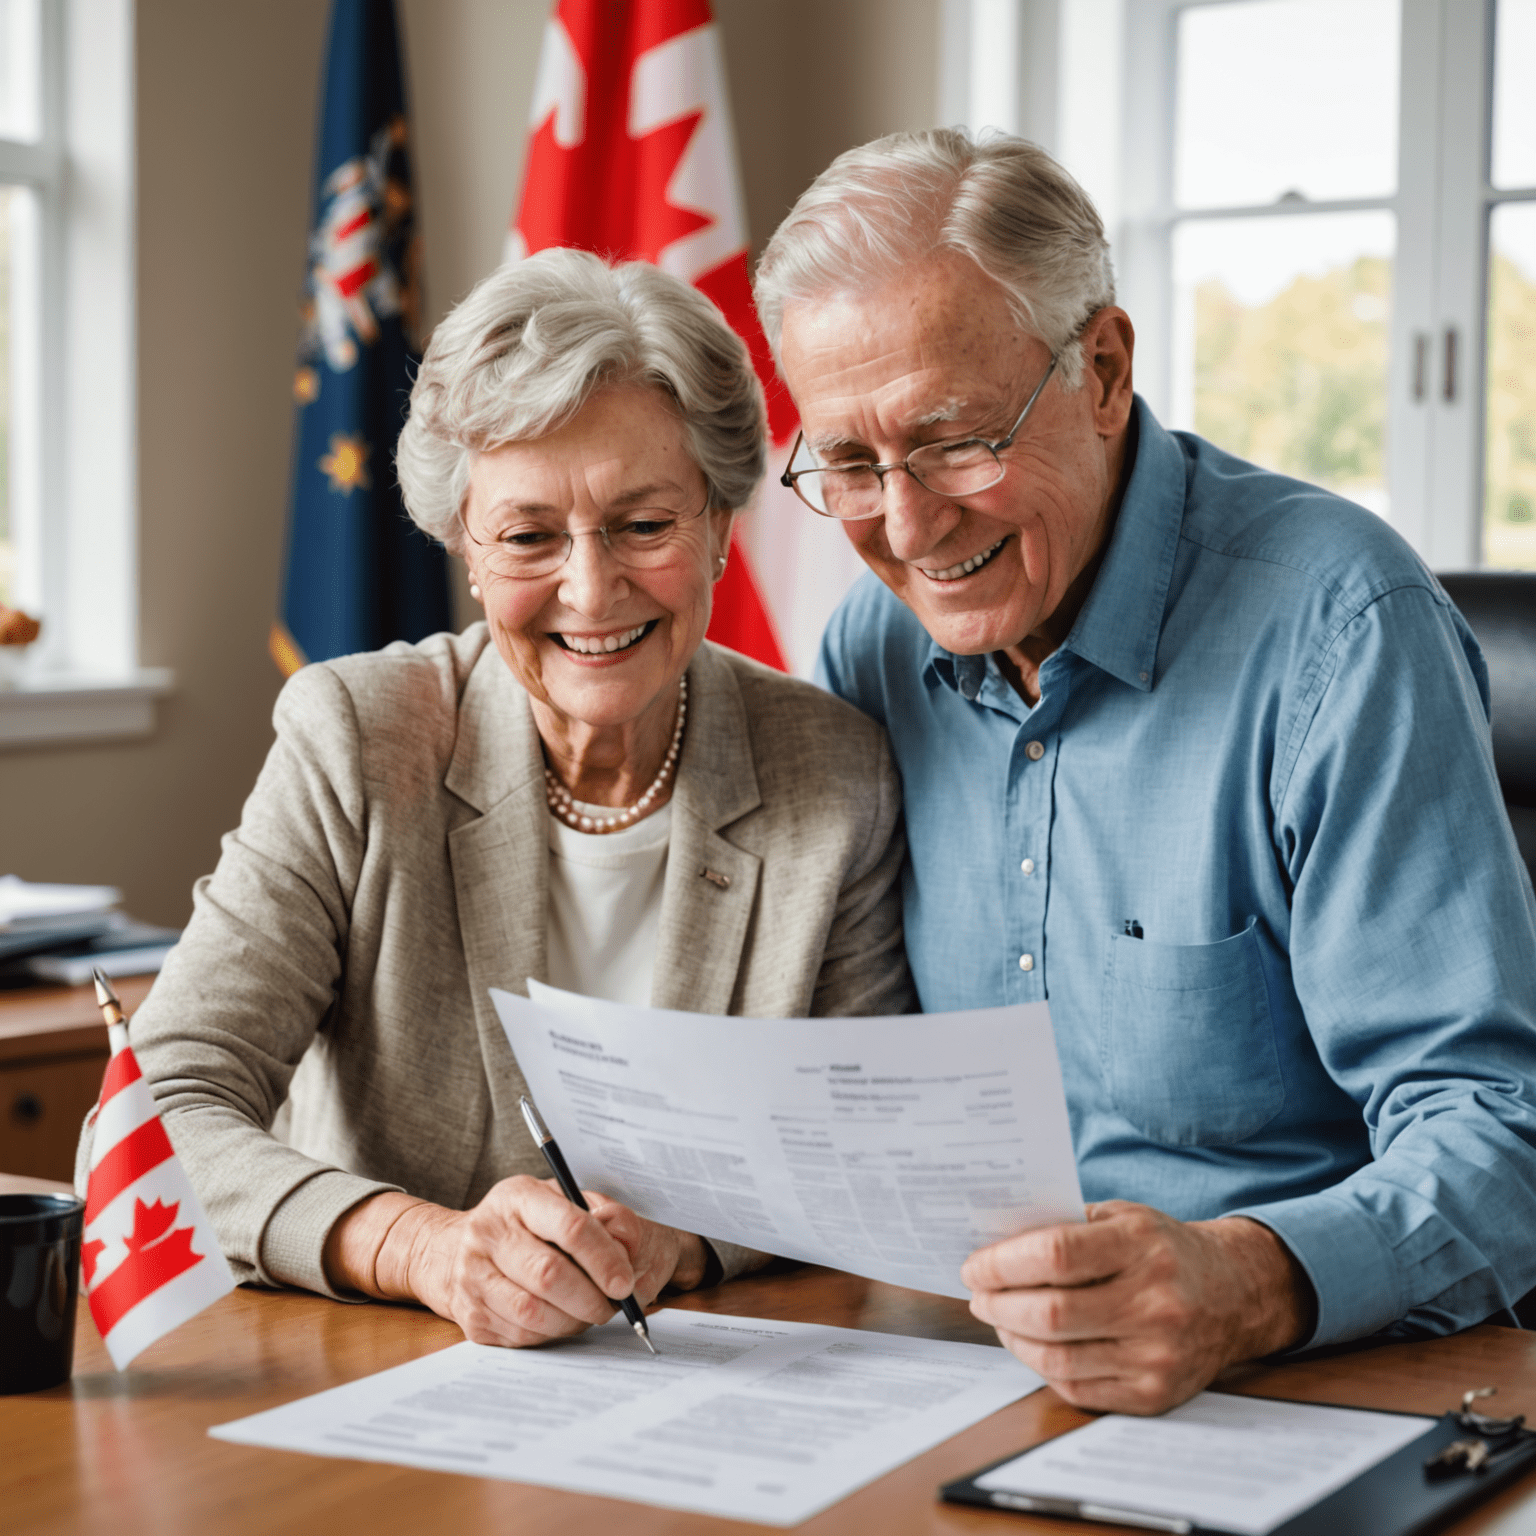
(642, 539)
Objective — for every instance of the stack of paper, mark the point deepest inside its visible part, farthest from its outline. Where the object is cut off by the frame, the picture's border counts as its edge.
(36, 917)
(61, 932)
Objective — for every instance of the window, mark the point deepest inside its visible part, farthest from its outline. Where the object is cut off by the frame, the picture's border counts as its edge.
(1509, 490)
(1329, 248)
(68, 470)
(1324, 222)
(1283, 235)
(30, 166)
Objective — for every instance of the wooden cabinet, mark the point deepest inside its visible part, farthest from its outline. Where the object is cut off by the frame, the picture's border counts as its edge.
(53, 1050)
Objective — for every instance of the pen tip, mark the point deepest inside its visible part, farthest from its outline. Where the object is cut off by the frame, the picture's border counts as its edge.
(105, 996)
(644, 1335)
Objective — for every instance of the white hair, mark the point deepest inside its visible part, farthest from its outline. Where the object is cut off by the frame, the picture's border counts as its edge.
(528, 347)
(1002, 201)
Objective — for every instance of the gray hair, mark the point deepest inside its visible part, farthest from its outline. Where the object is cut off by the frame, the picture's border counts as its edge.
(1002, 201)
(532, 342)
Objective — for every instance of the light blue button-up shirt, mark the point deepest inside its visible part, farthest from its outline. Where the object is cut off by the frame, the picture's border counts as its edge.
(1250, 846)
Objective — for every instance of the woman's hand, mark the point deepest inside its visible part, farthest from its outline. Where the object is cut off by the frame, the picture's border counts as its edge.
(523, 1266)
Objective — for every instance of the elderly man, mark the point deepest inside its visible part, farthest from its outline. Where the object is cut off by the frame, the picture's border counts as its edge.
(1199, 753)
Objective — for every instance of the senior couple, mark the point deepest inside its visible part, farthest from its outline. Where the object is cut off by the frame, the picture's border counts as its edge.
(1195, 751)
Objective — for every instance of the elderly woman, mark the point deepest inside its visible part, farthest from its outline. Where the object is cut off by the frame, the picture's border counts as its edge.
(579, 789)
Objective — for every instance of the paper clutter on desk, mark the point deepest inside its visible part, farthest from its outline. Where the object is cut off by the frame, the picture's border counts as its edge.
(32, 904)
(125, 949)
(60, 933)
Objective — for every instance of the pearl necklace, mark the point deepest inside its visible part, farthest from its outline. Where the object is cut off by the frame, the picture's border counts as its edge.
(562, 804)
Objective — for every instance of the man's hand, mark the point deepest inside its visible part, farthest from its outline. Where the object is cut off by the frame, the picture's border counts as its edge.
(522, 1267)
(1135, 1312)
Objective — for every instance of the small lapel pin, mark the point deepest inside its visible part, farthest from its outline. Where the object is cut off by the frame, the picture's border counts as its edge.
(716, 878)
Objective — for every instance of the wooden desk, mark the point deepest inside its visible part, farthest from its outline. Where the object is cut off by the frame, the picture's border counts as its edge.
(129, 1454)
(53, 1050)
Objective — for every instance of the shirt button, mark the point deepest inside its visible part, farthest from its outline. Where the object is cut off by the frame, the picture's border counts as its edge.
(1034, 751)
(1028, 866)
(1026, 962)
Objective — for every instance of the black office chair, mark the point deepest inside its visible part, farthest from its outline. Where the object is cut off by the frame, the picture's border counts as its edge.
(1501, 608)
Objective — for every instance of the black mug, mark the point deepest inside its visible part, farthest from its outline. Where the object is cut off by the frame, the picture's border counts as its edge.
(39, 1289)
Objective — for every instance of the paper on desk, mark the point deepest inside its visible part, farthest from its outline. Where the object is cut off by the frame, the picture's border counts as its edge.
(26, 901)
(1226, 1463)
(887, 1147)
(738, 1417)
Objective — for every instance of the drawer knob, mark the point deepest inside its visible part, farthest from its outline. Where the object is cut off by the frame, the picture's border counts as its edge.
(27, 1109)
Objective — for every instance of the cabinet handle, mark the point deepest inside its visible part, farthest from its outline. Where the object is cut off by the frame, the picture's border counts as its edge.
(1448, 382)
(26, 1109)
(1420, 366)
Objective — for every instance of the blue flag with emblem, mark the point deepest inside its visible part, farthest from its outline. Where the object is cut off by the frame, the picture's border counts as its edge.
(359, 573)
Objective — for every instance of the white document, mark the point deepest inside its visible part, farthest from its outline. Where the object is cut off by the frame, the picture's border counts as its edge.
(29, 902)
(738, 1417)
(1240, 1464)
(887, 1147)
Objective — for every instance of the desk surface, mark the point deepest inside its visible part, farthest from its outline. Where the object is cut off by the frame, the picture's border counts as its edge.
(35, 1021)
(130, 1453)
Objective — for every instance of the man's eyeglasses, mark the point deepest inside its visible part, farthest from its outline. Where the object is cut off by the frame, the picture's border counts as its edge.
(642, 539)
(957, 468)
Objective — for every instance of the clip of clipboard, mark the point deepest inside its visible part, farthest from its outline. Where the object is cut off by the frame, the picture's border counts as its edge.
(1413, 1490)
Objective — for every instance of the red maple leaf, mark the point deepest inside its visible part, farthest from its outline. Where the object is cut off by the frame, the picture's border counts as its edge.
(609, 192)
(150, 1224)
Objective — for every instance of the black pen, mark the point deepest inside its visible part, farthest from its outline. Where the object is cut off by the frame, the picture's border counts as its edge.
(562, 1172)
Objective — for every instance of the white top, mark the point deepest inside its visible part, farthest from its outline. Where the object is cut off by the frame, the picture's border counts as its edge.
(605, 905)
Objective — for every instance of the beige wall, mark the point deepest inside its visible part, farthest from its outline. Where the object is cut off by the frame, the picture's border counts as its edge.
(226, 100)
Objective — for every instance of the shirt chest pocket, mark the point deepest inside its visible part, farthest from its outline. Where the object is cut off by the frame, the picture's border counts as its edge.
(1187, 1044)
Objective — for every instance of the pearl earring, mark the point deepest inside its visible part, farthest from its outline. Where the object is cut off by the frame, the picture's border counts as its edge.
(474, 591)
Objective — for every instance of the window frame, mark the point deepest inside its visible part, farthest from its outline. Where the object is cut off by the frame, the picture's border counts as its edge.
(79, 552)
(1442, 206)
(39, 166)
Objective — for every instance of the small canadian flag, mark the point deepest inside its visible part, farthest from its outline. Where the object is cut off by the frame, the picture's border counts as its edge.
(150, 1256)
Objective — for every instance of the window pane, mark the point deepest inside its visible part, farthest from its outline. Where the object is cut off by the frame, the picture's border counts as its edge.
(20, 70)
(1280, 343)
(20, 415)
(1514, 104)
(1509, 498)
(1283, 97)
(7, 532)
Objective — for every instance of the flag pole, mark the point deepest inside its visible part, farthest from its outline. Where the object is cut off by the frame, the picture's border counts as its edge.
(111, 1011)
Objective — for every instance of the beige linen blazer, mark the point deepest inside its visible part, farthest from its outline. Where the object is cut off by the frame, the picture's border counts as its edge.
(391, 866)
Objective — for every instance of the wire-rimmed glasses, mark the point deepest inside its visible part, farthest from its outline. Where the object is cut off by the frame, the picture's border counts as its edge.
(959, 467)
(642, 539)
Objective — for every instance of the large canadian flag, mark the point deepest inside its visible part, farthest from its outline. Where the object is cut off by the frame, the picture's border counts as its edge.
(150, 1256)
(631, 154)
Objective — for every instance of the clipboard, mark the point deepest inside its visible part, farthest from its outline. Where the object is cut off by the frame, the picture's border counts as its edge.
(1395, 1497)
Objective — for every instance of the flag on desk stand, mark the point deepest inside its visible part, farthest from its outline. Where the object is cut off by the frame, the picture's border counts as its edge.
(631, 154)
(150, 1255)
(359, 574)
